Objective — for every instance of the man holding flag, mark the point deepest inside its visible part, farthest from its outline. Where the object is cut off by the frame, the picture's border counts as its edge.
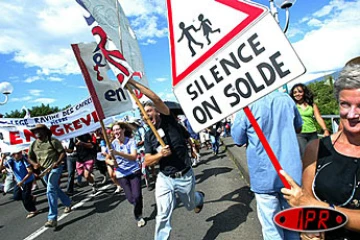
(176, 175)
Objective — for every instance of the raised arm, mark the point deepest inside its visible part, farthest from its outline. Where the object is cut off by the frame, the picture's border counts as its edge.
(159, 104)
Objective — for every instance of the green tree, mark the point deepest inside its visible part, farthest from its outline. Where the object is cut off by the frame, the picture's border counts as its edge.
(325, 99)
(36, 111)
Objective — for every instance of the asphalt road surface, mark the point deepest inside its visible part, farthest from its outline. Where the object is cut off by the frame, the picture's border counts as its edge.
(229, 211)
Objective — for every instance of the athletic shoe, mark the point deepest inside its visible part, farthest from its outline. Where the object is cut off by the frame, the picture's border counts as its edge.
(34, 187)
(118, 189)
(94, 189)
(67, 209)
(31, 214)
(194, 162)
(198, 209)
(141, 222)
(51, 224)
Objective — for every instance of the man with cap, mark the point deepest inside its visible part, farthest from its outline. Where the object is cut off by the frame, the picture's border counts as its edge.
(47, 153)
(24, 176)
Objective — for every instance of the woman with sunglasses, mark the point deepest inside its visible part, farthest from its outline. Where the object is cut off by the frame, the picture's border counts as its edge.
(331, 175)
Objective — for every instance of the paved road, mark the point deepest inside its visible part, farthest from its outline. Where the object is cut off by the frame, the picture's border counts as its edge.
(229, 211)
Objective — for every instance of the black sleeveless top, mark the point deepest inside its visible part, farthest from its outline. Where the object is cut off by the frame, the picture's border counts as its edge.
(336, 181)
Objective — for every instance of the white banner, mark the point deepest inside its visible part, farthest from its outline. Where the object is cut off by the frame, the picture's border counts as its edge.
(109, 97)
(65, 116)
(71, 122)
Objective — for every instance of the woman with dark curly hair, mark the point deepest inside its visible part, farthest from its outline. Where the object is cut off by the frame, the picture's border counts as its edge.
(304, 100)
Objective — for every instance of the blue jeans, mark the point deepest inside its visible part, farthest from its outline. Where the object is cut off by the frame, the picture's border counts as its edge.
(54, 192)
(165, 190)
(215, 143)
(268, 205)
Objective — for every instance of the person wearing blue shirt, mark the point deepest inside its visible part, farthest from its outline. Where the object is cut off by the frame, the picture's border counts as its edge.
(279, 120)
(24, 176)
(127, 169)
(195, 143)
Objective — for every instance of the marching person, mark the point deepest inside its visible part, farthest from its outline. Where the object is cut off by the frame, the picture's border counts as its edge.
(127, 170)
(71, 158)
(215, 131)
(176, 175)
(24, 179)
(47, 153)
(269, 111)
(139, 136)
(86, 153)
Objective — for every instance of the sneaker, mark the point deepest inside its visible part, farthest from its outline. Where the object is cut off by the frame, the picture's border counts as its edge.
(198, 209)
(194, 162)
(51, 224)
(31, 214)
(118, 189)
(67, 209)
(94, 189)
(34, 187)
(141, 222)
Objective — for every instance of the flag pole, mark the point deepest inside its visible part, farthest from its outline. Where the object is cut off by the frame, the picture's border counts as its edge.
(146, 117)
(138, 103)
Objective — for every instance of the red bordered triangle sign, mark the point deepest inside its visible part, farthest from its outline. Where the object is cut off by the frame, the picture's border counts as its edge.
(200, 28)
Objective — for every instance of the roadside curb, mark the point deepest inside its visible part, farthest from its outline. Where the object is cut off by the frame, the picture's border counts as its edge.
(238, 155)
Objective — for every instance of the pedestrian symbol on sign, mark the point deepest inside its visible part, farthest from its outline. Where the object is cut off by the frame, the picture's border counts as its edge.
(205, 25)
(187, 34)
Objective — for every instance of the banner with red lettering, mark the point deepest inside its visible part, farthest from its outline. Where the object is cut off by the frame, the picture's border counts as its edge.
(15, 134)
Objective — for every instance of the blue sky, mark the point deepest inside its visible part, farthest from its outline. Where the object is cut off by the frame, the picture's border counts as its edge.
(36, 56)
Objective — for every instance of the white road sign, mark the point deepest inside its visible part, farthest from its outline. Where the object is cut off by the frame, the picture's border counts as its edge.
(225, 55)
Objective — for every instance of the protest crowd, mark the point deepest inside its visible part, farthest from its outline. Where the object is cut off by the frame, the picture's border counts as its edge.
(159, 150)
(133, 158)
